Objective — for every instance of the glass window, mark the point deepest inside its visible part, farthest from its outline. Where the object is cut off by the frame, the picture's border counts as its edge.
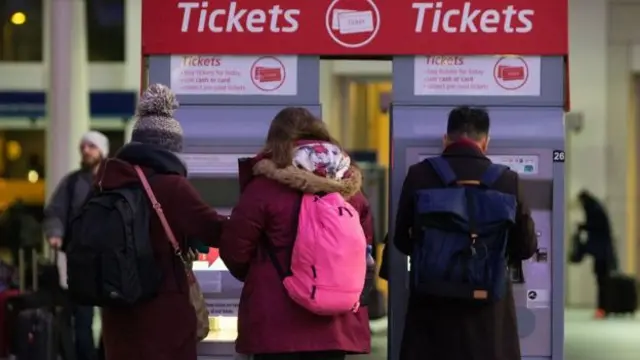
(105, 25)
(22, 153)
(21, 30)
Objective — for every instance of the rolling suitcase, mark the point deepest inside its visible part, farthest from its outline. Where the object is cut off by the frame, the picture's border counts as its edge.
(36, 335)
(34, 318)
(621, 295)
(5, 327)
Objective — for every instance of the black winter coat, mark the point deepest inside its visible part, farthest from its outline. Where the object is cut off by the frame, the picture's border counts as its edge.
(438, 329)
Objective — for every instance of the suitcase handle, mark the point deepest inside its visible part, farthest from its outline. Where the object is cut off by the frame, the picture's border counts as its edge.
(35, 257)
(22, 270)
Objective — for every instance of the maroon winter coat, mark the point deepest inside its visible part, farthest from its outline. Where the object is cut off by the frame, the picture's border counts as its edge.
(269, 321)
(163, 328)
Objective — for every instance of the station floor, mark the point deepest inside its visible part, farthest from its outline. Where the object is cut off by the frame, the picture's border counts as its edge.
(585, 339)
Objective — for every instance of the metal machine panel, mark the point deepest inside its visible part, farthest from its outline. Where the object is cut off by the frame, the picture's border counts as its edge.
(422, 126)
(524, 139)
(228, 125)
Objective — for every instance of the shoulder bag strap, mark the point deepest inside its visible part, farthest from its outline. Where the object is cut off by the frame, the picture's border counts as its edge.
(163, 220)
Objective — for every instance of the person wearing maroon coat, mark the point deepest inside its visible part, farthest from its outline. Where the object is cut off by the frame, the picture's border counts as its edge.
(163, 328)
(299, 157)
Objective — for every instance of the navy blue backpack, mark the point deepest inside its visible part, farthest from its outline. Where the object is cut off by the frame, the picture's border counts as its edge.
(460, 233)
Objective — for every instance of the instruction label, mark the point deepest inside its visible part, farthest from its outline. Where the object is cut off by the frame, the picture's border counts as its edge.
(477, 75)
(234, 75)
(223, 307)
(212, 163)
(538, 299)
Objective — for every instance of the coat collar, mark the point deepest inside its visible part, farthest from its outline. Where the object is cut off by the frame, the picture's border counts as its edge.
(159, 160)
(464, 148)
(308, 182)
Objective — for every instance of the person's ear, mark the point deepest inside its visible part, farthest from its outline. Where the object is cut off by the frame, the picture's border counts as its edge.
(485, 144)
(445, 141)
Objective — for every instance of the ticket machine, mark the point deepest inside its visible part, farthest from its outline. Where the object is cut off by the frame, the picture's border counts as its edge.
(225, 118)
(526, 134)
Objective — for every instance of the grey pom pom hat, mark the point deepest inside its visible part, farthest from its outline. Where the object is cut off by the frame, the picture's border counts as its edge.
(155, 124)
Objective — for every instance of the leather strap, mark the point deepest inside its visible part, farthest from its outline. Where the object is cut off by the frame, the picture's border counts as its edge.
(163, 220)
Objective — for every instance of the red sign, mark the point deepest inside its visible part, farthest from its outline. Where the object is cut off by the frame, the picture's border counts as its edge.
(355, 27)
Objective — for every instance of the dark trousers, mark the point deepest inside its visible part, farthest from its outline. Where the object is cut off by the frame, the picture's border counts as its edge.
(317, 355)
(83, 332)
(601, 283)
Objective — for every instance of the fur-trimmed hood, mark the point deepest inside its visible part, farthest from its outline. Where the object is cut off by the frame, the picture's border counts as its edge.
(309, 182)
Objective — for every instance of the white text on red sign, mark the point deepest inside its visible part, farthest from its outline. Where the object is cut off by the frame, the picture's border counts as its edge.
(431, 17)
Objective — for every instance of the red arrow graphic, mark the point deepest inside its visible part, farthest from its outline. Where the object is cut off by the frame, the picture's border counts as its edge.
(212, 256)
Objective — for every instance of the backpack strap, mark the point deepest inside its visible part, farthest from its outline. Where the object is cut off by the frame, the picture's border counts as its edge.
(492, 174)
(271, 252)
(443, 169)
(165, 224)
(271, 249)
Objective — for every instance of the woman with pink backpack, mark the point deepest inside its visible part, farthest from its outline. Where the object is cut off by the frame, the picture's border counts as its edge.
(298, 239)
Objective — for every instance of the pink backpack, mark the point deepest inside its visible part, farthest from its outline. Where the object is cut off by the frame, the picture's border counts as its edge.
(328, 263)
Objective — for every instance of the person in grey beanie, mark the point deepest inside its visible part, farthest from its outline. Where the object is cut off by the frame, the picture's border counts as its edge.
(156, 125)
(142, 332)
(67, 198)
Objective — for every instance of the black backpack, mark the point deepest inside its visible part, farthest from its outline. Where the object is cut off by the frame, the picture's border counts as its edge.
(110, 261)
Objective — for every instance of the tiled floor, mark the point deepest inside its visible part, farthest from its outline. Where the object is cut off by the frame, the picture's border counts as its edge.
(585, 339)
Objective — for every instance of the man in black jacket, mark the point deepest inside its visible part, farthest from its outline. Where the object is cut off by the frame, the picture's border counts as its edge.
(439, 328)
(599, 244)
(69, 195)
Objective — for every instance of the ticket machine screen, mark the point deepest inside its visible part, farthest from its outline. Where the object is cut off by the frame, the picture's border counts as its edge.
(220, 193)
(522, 164)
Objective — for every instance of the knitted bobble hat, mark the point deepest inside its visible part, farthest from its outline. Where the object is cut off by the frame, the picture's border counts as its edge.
(155, 124)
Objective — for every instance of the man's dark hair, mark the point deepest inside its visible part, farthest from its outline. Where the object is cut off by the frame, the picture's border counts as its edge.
(465, 121)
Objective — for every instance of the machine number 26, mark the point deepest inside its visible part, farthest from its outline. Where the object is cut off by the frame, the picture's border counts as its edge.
(558, 156)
